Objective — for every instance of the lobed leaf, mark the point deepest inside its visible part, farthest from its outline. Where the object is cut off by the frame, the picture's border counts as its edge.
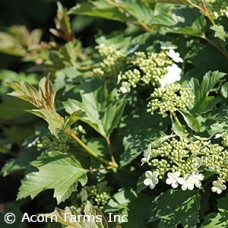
(171, 212)
(203, 102)
(42, 98)
(54, 120)
(215, 220)
(98, 9)
(219, 32)
(56, 171)
(135, 143)
(103, 110)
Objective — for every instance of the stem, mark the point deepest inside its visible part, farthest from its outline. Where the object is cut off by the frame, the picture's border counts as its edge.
(177, 120)
(89, 151)
(110, 149)
(205, 11)
(214, 45)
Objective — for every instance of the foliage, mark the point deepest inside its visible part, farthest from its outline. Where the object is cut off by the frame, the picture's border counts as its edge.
(136, 114)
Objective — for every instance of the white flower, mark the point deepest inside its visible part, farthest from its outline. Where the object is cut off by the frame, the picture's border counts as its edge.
(167, 45)
(172, 75)
(197, 178)
(218, 187)
(151, 179)
(146, 155)
(173, 179)
(190, 181)
(175, 56)
(218, 136)
(125, 87)
(186, 183)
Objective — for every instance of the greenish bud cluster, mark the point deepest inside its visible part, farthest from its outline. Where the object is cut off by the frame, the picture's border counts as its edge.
(99, 200)
(113, 60)
(225, 139)
(51, 143)
(189, 156)
(170, 98)
(132, 77)
(152, 65)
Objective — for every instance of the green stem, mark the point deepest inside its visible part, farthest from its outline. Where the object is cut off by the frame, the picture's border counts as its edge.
(89, 151)
(177, 120)
(110, 149)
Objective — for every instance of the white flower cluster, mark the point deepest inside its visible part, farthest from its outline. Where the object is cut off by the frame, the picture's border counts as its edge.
(188, 182)
(182, 162)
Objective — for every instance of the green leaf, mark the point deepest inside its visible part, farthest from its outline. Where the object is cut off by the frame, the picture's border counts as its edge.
(171, 212)
(91, 210)
(140, 183)
(99, 9)
(135, 143)
(215, 220)
(189, 21)
(70, 217)
(223, 204)
(73, 118)
(62, 23)
(20, 164)
(139, 10)
(224, 90)
(219, 32)
(220, 121)
(57, 171)
(138, 214)
(191, 121)
(54, 120)
(203, 102)
(120, 201)
(103, 111)
(42, 98)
